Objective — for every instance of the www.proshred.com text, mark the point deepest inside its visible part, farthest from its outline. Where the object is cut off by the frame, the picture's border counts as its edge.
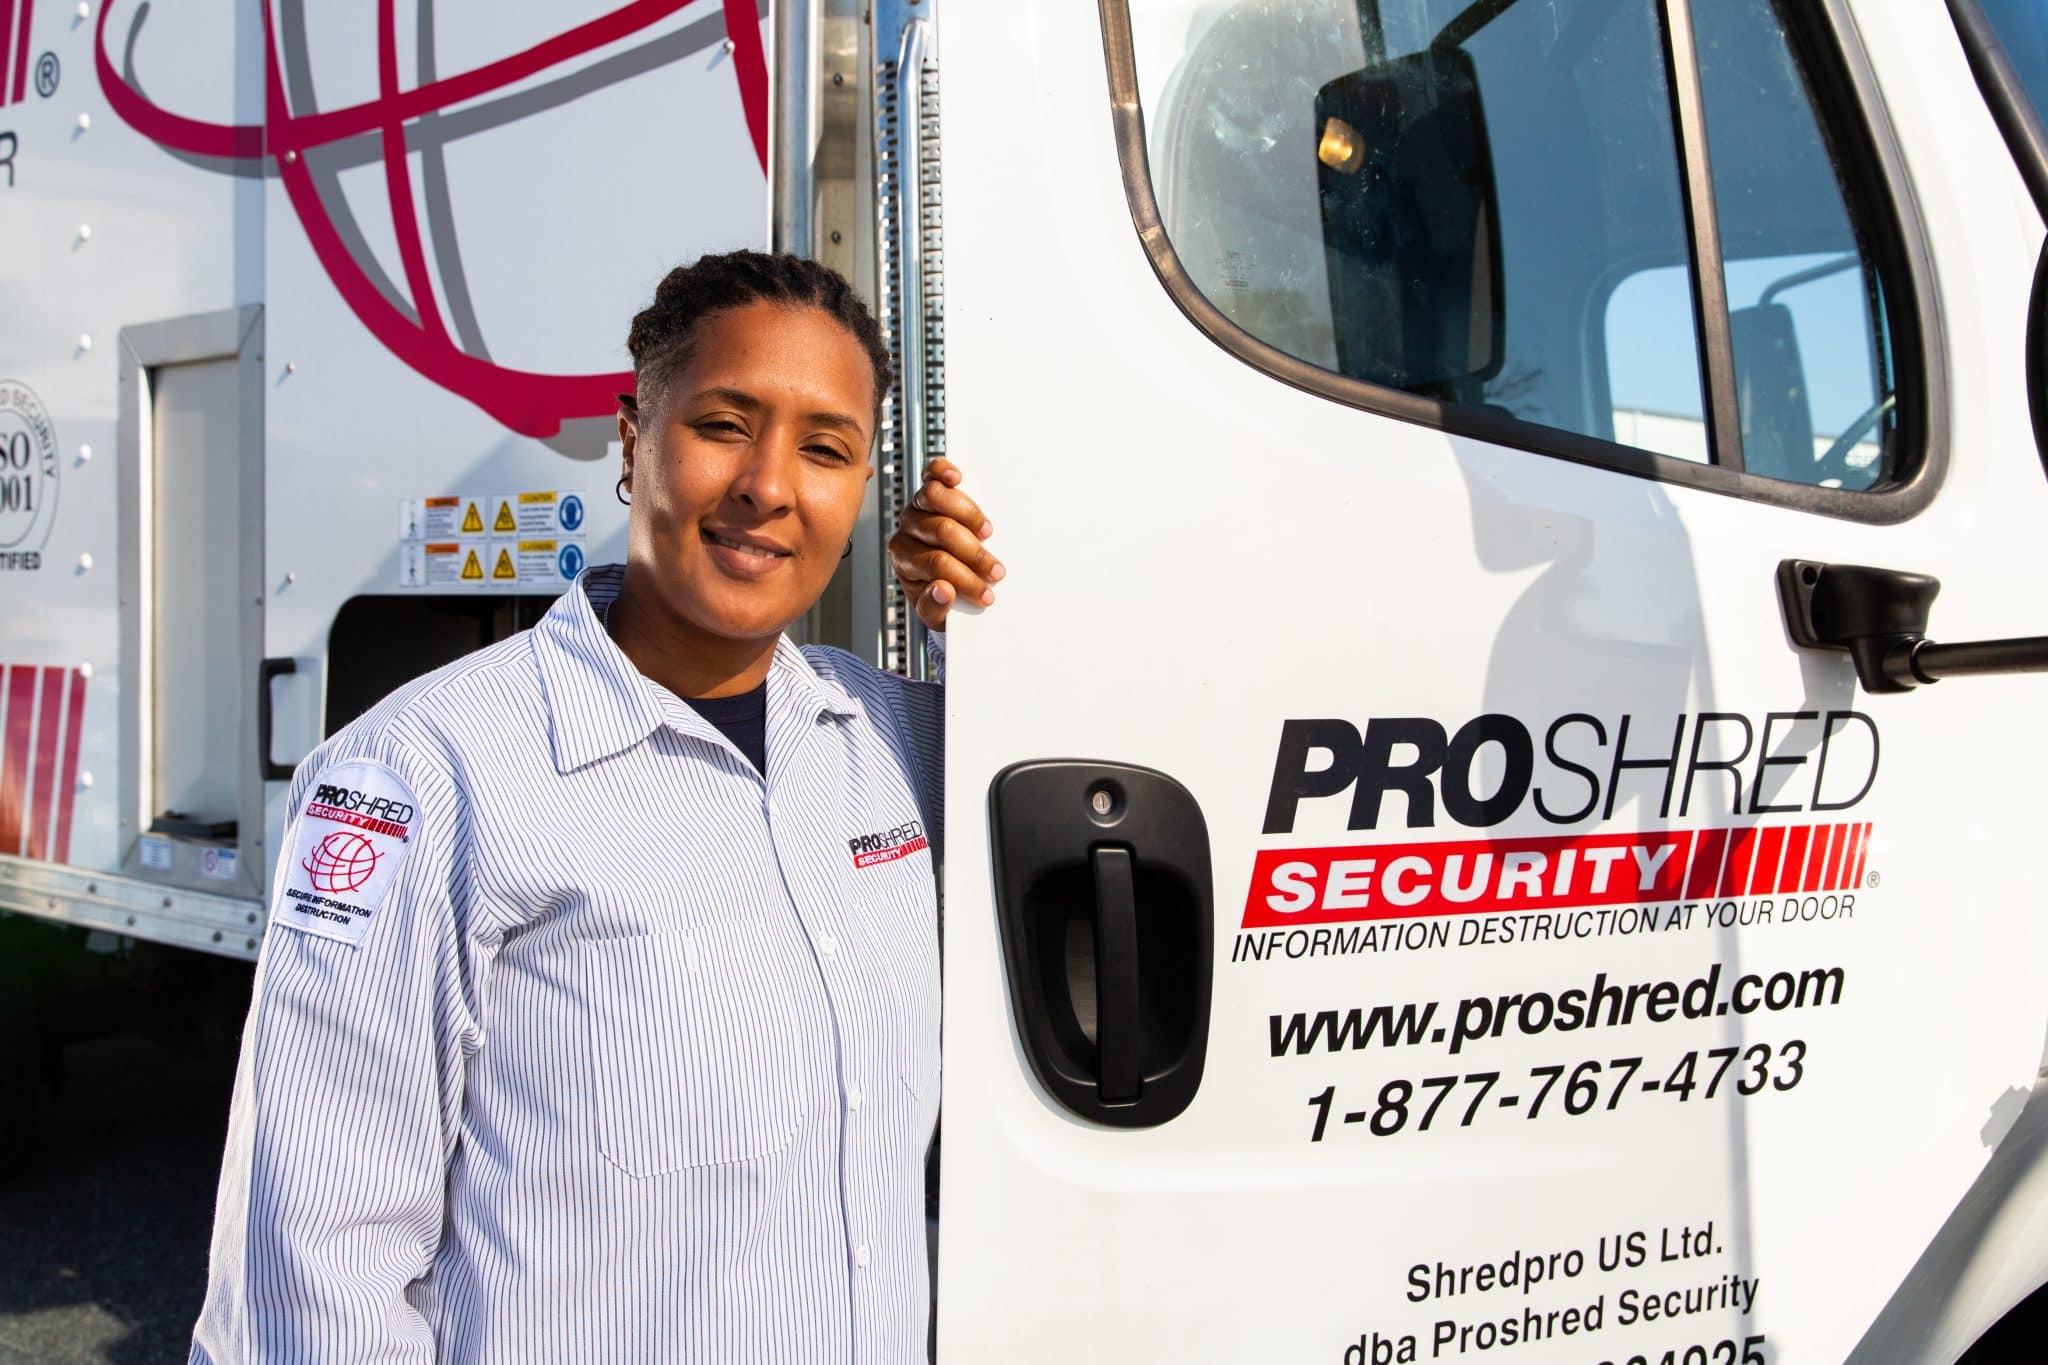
(1601, 1003)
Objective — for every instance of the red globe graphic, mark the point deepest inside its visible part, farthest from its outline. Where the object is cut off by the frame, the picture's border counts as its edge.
(342, 861)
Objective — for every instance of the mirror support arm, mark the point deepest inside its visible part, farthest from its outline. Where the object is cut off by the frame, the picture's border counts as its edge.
(1879, 617)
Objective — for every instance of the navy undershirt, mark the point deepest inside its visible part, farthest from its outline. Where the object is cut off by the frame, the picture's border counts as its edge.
(742, 719)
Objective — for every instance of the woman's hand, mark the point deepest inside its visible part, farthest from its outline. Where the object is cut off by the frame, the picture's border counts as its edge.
(937, 551)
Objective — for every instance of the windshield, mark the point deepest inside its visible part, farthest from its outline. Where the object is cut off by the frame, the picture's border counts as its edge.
(2023, 31)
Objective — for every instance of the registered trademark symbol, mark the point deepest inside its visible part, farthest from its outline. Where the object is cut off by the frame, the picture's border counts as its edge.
(1872, 879)
(47, 72)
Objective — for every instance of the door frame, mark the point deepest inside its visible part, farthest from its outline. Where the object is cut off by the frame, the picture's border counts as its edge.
(226, 334)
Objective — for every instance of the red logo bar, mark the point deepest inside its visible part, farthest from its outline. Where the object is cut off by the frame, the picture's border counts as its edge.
(349, 817)
(1501, 876)
(890, 855)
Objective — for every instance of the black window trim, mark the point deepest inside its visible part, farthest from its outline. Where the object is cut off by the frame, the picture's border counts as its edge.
(1870, 159)
(2019, 123)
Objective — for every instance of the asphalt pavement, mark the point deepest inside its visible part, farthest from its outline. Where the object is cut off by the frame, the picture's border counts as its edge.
(104, 1227)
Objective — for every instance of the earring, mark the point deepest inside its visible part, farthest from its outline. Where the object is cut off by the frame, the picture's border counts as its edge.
(848, 551)
(619, 492)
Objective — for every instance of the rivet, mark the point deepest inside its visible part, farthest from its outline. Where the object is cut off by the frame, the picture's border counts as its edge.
(167, 902)
(84, 10)
(85, 669)
(291, 367)
(290, 578)
(85, 341)
(728, 45)
(835, 234)
(252, 917)
(131, 921)
(85, 562)
(84, 452)
(251, 945)
(216, 936)
(291, 156)
(85, 782)
(838, 78)
(84, 122)
(85, 232)
(92, 888)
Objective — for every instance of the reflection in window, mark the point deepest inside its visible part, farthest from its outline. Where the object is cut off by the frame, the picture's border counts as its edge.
(1812, 368)
(1567, 102)
(2023, 31)
(1481, 203)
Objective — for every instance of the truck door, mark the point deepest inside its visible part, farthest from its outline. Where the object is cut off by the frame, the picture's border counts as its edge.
(1409, 895)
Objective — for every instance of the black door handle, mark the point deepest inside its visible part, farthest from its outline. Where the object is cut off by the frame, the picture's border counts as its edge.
(1879, 616)
(1104, 906)
(265, 672)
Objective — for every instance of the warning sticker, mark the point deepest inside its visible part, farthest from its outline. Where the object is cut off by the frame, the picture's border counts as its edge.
(429, 518)
(532, 539)
(547, 512)
(347, 847)
(435, 564)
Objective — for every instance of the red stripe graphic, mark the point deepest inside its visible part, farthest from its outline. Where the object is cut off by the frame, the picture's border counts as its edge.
(49, 716)
(1741, 853)
(890, 855)
(1796, 839)
(28, 7)
(1817, 857)
(1862, 857)
(1706, 863)
(360, 821)
(1836, 849)
(21, 701)
(1296, 886)
(75, 713)
(7, 48)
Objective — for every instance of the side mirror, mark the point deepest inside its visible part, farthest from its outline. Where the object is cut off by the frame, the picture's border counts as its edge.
(1411, 222)
(1770, 389)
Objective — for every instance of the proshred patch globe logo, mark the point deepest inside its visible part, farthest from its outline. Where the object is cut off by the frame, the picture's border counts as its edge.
(341, 862)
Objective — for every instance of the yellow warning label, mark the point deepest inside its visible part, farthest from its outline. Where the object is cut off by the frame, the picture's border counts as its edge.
(503, 568)
(506, 521)
(471, 570)
(472, 523)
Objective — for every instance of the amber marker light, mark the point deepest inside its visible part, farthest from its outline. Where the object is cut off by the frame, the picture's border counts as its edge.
(1341, 148)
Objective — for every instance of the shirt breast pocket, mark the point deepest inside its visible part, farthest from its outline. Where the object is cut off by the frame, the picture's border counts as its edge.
(693, 1058)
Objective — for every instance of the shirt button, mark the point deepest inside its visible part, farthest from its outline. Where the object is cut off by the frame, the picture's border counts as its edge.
(853, 1099)
(828, 945)
(860, 1255)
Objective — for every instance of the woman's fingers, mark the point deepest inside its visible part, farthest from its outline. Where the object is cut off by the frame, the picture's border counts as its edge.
(939, 499)
(917, 564)
(944, 533)
(937, 551)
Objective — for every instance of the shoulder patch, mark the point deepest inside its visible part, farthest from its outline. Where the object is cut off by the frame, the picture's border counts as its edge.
(349, 842)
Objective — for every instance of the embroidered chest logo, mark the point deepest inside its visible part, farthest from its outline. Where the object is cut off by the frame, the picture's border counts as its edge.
(887, 846)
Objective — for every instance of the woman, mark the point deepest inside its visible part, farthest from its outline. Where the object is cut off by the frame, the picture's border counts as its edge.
(599, 1014)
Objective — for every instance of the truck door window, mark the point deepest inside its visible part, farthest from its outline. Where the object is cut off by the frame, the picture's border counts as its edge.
(2023, 32)
(1484, 205)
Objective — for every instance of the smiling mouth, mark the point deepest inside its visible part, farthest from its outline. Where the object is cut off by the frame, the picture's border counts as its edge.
(741, 547)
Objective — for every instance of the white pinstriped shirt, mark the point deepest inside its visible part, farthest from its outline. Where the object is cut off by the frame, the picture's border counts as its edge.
(637, 1057)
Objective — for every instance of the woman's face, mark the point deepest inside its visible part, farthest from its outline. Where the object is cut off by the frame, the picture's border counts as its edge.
(747, 486)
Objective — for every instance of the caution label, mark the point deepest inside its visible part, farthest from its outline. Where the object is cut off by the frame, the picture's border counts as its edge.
(532, 540)
(432, 564)
(429, 518)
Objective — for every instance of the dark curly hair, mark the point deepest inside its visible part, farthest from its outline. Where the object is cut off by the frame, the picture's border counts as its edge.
(662, 332)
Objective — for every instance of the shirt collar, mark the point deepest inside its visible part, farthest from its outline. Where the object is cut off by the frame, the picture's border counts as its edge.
(599, 705)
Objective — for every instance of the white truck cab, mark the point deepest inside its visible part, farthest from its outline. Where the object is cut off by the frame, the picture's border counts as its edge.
(1491, 821)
